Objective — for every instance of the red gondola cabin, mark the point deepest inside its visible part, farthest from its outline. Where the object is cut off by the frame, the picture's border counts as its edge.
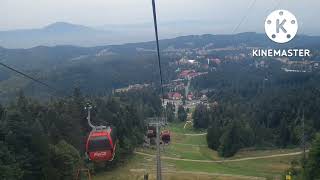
(165, 136)
(101, 145)
(152, 132)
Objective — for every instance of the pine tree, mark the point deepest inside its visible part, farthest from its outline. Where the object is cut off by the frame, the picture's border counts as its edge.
(312, 168)
(65, 161)
(229, 141)
(200, 117)
(213, 137)
(182, 114)
(170, 109)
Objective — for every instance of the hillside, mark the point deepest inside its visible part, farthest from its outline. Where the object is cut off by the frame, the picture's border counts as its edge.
(102, 68)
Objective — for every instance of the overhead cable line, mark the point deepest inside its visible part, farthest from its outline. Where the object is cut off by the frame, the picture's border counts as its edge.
(53, 89)
(158, 48)
(276, 5)
(253, 2)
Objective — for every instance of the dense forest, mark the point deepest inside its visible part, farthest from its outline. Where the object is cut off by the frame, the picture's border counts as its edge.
(46, 140)
(258, 107)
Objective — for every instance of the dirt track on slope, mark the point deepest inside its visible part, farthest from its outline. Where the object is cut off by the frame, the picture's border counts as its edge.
(222, 161)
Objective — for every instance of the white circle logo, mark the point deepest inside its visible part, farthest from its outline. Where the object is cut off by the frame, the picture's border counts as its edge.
(281, 26)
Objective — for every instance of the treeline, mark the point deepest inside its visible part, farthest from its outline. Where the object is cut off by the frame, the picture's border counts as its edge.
(258, 107)
(47, 140)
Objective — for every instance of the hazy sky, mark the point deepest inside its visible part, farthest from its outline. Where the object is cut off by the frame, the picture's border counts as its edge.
(222, 14)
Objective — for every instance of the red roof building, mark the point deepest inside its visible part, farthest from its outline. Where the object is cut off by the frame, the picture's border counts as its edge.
(185, 73)
(190, 96)
(174, 96)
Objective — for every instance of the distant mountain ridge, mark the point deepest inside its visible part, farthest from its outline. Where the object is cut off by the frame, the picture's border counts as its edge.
(63, 33)
(63, 26)
(44, 56)
(59, 33)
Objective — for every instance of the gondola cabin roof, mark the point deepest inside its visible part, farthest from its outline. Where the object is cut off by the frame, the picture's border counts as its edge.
(165, 132)
(99, 133)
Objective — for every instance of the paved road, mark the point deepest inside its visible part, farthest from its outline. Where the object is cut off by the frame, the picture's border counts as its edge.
(222, 161)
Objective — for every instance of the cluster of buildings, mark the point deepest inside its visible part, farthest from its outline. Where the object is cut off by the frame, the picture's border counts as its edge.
(174, 96)
(184, 61)
(236, 57)
(190, 97)
(132, 87)
(176, 85)
(190, 74)
(298, 66)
